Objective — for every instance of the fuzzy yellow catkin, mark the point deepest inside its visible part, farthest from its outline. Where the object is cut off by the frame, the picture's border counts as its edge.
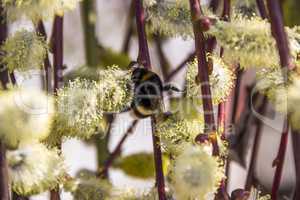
(34, 169)
(26, 116)
(248, 40)
(37, 10)
(176, 130)
(196, 174)
(221, 81)
(171, 18)
(24, 50)
(293, 100)
(114, 90)
(78, 114)
(87, 186)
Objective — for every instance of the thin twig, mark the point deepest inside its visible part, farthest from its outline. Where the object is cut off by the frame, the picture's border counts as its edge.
(262, 9)
(203, 71)
(4, 187)
(255, 148)
(15, 196)
(214, 4)
(144, 59)
(279, 160)
(188, 59)
(130, 29)
(91, 43)
(280, 36)
(236, 96)
(279, 33)
(57, 45)
(222, 115)
(4, 183)
(57, 39)
(296, 145)
(259, 125)
(163, 60)
(116, 152)
(40, 29)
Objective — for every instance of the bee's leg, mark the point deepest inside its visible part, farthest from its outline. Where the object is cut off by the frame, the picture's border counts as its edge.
(126, 109)
(170, 87)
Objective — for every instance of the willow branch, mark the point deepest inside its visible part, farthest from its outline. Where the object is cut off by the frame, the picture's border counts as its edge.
(279, 33)
(262, 9)
(144, 59)
(203, 77)
(188, 59)
(130, 29)
(164, 63)
(280, 36)
(4, 183)
(58, 52)
(40, 29)
(296, 145)
(143, 54)
(279, 160)
(259, 125)
(116, 152)
(214, 5)
(255, 148)
(87, 8)
(57, 45)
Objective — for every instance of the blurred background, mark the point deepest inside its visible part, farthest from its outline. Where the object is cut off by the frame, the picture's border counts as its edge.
(111, 25)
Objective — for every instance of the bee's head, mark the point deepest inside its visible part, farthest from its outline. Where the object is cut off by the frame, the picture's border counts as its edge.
(138, 73)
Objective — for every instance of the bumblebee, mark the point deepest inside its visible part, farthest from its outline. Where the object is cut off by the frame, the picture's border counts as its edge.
(148, 91)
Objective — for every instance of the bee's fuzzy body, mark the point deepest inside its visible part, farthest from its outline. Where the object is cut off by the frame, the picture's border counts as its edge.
(148, 89)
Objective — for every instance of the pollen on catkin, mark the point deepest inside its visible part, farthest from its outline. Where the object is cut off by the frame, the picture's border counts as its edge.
(246, 40)
(26, 116)
(37, 10)
(78, 114)
(23, 51)
(181, 127)
(34, 169)
(114, 90)
(221, 81)
(88, 187)
(270, 82)
(293, 99)
(196, 174)
(170, 18)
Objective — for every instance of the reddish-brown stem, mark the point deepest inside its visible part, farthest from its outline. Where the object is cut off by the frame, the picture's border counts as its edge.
(202, 67)
(236, 96)
(226, 10)
(160, 183)
(57, 48)
(144, 59)
(255, 148)
(4, 187)
(279, 160)
(279, 33)
(262, 9)
(280, 36)
(214, 4)
(130, 29)
(259, 125)
(116, 152)
(143, 55)
(4, 183)
(164, 63)
(296, 145)
(40, 29)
